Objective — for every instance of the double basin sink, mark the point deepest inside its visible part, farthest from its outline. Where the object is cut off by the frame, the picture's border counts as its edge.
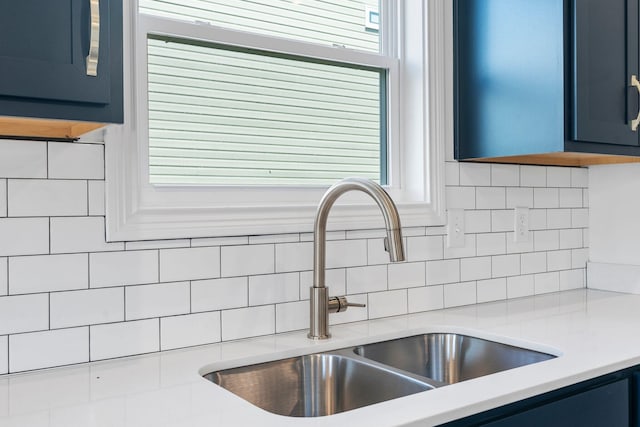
(337, 381)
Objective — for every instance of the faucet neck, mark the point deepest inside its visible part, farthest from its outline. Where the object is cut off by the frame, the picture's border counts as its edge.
(393, 241)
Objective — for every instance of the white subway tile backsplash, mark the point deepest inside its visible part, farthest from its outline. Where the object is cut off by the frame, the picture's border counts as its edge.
(558, 177)
(520, 286)
(544, 198)
(519, 197)
(220, 241)
(389, 303)
(124, 339)
(457, 294)
(40, 197)
(460, 197)
(273, 238)
(580, 218)
(425, 248)
(294, 257)
(157, 244)
(247, 260)
(580, 177)
(366, 279)
(546, 240)
(585, 198)
(491, 244)
(248, 322)
(492, 289)
(292, 316)
(505, 265)
(4, 356)
(87, 307)
(514, 247)
(571, 239)
(418, 231)
(331, 235)
(23, 159)
(3, 197)
(346, 253)
(189, 330)
(76, 161)
(335, 280)
(96, 198)
(475, 268)
(534, 262)
(452, 173)
(4, 276)
(274, 288)
(219, 294)
(475, 174)
(430, 231)
(160, 299)
(572, 279)
(538, 219)
(243, 286)
(441, 272)
(24, 236)
(502, 220)
(80, 234)
(24, 313)
(558, 260)
(477, 221)
(374, 233)
(43, 349)
(558, 218)
(406, 275)
(491, 198)
(579, 258)
(505, 175)
(570, 198)
(533, 176)
(48, 273)
(376, 253)
(425, 298)
(123, 268)
(546, 282)
(189, 264)
(466, 251)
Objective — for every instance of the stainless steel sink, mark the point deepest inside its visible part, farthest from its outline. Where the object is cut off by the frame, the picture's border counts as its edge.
(449, 358)
(316, 384)
(341, 380)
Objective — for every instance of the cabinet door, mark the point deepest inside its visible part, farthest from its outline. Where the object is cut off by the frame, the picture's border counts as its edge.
(605, 44)
(43, 60)
(606, 405)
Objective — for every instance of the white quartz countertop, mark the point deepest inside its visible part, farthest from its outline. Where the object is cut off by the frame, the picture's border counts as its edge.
(592, 332)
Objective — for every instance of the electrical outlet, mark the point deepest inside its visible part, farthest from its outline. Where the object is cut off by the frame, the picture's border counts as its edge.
(521, 226)
(455, 228)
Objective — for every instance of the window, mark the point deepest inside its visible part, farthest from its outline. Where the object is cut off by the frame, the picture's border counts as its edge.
(242, 112)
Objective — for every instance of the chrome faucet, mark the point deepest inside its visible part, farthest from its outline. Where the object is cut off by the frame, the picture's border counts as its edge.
(320, 304)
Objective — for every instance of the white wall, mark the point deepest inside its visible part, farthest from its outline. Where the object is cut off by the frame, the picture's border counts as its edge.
(67, 296)
(614, 196)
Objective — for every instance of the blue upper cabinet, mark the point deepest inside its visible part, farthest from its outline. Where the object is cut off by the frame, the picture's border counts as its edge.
(61, 59)
(546, 81)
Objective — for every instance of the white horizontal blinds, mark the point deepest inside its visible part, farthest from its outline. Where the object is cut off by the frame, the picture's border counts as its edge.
(340, 22)
(219, 116)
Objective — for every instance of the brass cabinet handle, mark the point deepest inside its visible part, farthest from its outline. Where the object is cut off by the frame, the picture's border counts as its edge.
(635, 122)
(94, 39)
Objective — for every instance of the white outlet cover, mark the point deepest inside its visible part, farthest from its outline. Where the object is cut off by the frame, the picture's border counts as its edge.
(455, 228)
(521, 225)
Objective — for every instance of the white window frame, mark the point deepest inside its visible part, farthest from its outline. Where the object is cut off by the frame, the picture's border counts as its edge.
(420, 109)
